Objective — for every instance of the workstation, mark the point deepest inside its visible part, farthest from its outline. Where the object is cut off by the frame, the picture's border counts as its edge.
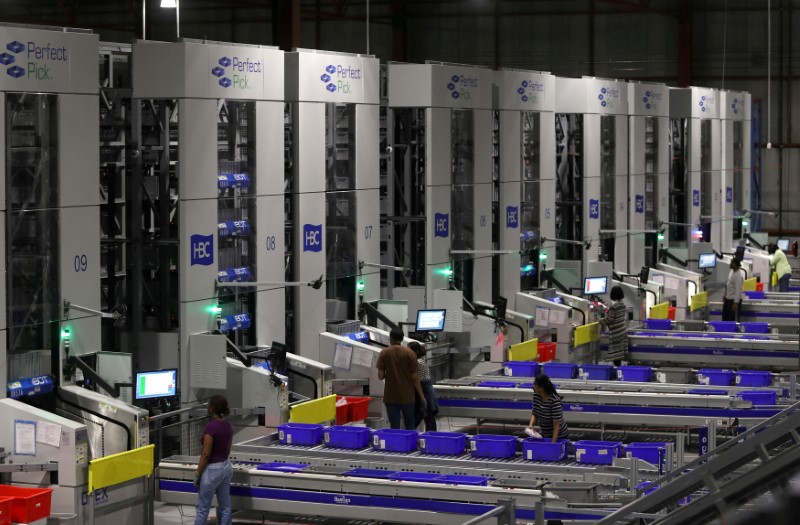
(270, 217)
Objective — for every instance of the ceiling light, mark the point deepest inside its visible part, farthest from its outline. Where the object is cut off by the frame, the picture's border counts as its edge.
(169, 4)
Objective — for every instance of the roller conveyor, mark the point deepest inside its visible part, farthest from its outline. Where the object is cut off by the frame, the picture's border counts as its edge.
(322, 490)
(717, 350)
(600, 407)
(775, 312)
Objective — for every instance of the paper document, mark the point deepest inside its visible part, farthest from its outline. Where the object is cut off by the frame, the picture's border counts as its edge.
(671, 283)
(542, 317)
(49, 434)
(558, 317)
(342, 356)
(24, 438)
(362, 357)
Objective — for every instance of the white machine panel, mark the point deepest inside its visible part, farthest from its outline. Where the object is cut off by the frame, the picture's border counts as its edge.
(3, 163)
(198, 253)
(80, 283)
(441, 86)
(482, 198)
(368, 241)
(321, 76)
(207, 361)
(194, 69)
(197, 151)
(452, 301)
(270, 245)
(694, 102)
(78, 154)
(591, 95)
(525, 90)
(42, 61)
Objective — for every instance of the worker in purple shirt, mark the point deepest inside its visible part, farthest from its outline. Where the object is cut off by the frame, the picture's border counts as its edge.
(214, 471)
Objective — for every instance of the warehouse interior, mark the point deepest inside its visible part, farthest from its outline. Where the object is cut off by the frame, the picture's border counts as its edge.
(253, 198)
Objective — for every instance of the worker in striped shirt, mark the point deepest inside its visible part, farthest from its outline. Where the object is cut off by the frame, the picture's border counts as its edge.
(547, 411)
(616, 320)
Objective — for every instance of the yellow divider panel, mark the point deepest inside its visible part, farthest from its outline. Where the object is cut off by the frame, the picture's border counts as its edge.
(699, 300)
(316, 411)
(587, 333)
(527, 351)
(659, 311)
(749, 285)
(119, 468)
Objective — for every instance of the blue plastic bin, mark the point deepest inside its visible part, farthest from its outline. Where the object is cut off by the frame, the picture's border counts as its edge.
(644, 484)
(754, 295)
(753, 378)
(715, 376)
(497, 384)
(754, 327)
(560, 370)
(658, 324)
(539, 449)
(445, 443)
(652, 452)
(597, 452)
(282, 467)
(596, 372)
(492, 446)
(455, 479)
(370, 473)
(421, 477)
(707, 392)
(525, 385)
(346, 437)
(722, 326)
(759, 397)
(521, 368)
(637, 374)
(395, 440)
(299, 434)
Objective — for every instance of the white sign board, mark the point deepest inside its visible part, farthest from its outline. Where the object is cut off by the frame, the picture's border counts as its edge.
(442, 86)
(525, 90)
(40, 61)
(648, 99)
(201, 70)
(317, 76)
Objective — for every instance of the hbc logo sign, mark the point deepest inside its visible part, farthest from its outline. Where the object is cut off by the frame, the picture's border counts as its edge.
(441, 225)
(696, 198)
(594, 209)
(512, 216)
(728, 194)
(202, 250)
(312, 237)
(640, 204)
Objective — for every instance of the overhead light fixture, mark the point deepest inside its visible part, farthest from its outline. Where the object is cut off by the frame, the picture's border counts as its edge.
(169, 4)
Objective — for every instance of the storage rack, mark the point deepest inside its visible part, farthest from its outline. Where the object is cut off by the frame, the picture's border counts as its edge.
(569, 184)
(678, 180)
(462, 200)
(529, 226)
(651, 144)
(608, 183)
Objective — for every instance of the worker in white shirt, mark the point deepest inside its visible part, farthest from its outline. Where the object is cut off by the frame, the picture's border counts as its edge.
(732, 301)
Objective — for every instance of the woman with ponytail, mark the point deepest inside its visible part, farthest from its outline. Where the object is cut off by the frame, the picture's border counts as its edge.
(547, 410)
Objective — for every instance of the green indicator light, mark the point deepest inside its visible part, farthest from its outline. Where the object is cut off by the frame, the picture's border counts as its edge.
(527, 268)
(542, 256)
(660, 236)
(360, 286)
(65, 334)
(744, 222)
(448, 272)
(215, 309)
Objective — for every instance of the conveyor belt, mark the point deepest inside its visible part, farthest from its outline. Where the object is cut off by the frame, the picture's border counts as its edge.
(336, 496)
(266, 449)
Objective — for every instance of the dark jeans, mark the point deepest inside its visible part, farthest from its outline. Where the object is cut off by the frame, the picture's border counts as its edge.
(394, 411)
(783, 283)
(429, 414)
(727, 311)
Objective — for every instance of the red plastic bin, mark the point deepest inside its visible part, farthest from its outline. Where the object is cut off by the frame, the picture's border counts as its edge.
(759, 287)
(671, 313)
(546, 352)
(5, 510)
(27, 504)
(356, 409)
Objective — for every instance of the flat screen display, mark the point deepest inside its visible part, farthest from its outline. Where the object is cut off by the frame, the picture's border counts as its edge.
(430, 320)
(707, 260)
(595, 285)
(783, 244)
(160, 383)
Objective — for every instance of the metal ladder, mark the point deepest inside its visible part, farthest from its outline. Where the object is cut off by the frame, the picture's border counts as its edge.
(756, 462)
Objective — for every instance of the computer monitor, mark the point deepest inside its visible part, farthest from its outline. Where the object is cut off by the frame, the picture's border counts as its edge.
(500, 306)
(783, 244)
(158, 383)
(707, 260)
(595, 285)
(430, 320)
(739, 253)
(644, 274)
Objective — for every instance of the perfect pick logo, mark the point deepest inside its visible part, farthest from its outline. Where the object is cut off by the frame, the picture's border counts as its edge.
(528, 91)
(452, 86)
(735, 106)
(221, 71)
(326, 78)
(7, 59)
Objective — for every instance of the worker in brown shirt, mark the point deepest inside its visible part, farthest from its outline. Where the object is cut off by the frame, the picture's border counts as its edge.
(397, 366)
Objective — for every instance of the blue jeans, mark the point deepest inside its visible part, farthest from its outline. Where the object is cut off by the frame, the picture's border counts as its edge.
(395, 411)
(216, 479)
(783, 282)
